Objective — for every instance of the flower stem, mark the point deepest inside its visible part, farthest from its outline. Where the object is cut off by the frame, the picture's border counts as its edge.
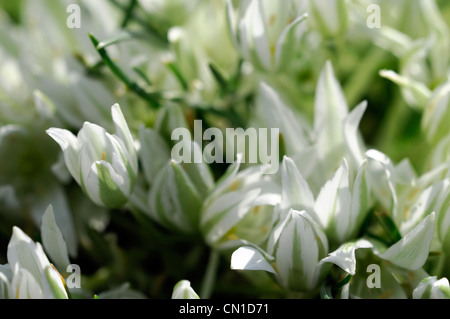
(133, 86)
(210, 275)
(129, 13)
(363, 75)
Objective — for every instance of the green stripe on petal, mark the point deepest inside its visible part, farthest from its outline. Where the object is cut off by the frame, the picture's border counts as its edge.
(109, 191)
(53, 285)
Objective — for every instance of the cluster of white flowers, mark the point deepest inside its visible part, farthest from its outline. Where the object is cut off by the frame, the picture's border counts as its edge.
(360, 204)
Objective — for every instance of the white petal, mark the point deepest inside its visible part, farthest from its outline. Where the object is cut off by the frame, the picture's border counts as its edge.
(334, 200)
(92, 138)
(361, 200)
(117, 167)
(23, 253)
(231, 22)
(351, 134)
(124, 134)
(89, 177)
(418, 92)
(71, 149)
(154, 152)
(183, 290)
(296, 193)
(412, 250)
(344, 256)
(330, 110)
(232, 215)
(249, 258)
(53, 240)
(25, 286)
(259, 33)
(286, 41)
(276, 114)
(53, 287)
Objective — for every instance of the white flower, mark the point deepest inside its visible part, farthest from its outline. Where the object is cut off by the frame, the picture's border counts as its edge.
(341, 205)
(265, 31)
(177, 188)
(33, 277)
(296, 245)
(104, 165)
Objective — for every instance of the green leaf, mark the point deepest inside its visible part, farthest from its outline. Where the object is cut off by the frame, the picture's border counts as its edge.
(389, 226)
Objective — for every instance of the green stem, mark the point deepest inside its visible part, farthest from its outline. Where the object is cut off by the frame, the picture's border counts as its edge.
(363, 75)
(388, 133)
(152, 29)
(210, 275)
(388, 225)
(131, 85)
(129, 13)
(176, 71)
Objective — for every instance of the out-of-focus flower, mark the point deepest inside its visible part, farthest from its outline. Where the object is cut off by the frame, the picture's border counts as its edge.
(29, 159)
(177, 192)
(177, 188)
(104, 165)
(341, 205)
(420, 40)
(330, 18)
(183, 290)
(266, 32)
(432, 288)
(436, 115)
(172, 12)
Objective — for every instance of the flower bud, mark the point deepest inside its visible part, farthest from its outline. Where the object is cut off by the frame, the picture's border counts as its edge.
(104, 165)
(177, 192)
(298, 244)
(183, 290)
